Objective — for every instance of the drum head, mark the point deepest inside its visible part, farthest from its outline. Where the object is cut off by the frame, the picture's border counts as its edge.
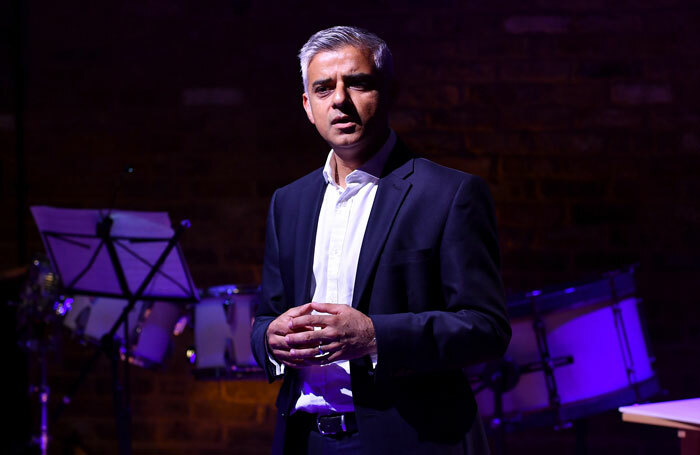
(223, 322)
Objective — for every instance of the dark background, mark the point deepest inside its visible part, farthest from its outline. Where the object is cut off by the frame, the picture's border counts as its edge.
(581, 114)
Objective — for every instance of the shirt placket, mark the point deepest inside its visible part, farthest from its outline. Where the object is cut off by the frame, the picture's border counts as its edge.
(341, 216)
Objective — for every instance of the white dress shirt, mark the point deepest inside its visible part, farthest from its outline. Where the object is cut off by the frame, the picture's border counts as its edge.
(341, 228)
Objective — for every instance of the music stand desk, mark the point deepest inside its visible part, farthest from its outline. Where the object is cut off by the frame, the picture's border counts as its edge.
(684, 415)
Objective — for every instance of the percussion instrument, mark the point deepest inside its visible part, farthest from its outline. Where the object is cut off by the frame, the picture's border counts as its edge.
(223, 321)
(577, 350)
(151, 325)
(152, 341)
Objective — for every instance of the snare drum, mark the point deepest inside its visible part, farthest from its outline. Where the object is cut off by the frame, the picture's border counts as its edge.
(223, 321)
(92, 317)
(151, 325)
(598, 324)
(152, 339)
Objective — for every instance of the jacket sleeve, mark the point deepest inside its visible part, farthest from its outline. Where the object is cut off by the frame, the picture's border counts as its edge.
(272, 299)
(472, 325)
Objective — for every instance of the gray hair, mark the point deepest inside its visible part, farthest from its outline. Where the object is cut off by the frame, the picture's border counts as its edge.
(336, 37)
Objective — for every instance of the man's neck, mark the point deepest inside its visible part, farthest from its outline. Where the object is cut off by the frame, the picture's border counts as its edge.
(342, 164)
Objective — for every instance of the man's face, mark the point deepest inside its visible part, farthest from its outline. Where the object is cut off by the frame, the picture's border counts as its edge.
(347, 101)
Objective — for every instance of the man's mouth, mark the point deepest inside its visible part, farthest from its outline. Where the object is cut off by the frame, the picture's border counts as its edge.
(343, 122)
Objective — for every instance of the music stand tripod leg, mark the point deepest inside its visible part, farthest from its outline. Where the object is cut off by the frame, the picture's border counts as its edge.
(122, 412)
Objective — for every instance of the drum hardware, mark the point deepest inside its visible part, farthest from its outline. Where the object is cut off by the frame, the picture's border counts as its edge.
(223, 320)
(152, 336)
(623, 339)
(500, 376)
(37, 317)
(547, 363)
(563, 359)
(503, 375)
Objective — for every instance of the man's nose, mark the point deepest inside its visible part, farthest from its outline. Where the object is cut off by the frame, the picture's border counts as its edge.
(340, 96)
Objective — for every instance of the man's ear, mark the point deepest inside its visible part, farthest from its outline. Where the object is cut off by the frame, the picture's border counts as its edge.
(307, 107)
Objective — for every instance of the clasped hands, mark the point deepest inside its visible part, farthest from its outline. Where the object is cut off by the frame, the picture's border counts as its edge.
(298, 338)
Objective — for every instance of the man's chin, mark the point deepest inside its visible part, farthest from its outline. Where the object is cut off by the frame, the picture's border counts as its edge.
(346, 139)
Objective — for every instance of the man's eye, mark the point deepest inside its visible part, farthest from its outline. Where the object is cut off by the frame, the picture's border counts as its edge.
(321, 90)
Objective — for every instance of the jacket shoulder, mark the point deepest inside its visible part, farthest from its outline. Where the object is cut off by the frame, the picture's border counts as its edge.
(424, 169)
(292, 189)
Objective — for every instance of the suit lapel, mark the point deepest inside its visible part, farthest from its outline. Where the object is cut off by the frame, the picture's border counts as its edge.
(391, 193)
(307, 220)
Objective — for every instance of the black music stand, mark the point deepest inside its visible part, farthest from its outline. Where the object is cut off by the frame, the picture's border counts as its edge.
(128, 255)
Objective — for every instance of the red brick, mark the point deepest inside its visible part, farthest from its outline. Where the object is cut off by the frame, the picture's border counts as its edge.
(610, 118)
(530, 215)
(219, 96)
(641, 94)
(540, 118)
(405, 120)
(608, 23)
(536, 24)
(581, 114)
(250, 392)
(535, 70)
(573, 190)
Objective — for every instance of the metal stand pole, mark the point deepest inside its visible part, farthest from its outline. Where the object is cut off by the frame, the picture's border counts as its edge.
(581, 430)
(44, 399)
(110, 346)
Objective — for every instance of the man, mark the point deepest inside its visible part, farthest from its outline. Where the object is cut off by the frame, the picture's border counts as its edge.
(381, 277)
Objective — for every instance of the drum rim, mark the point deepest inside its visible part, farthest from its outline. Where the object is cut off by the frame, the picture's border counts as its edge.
(580, 293)
(223, 290)
(574, 410)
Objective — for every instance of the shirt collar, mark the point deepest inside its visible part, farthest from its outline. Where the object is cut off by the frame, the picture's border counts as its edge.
(371, 169)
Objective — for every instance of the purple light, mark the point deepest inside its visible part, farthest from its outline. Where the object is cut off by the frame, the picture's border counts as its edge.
(569, 290)
(180, 325)
(535, 293)
(191, 355)
(62, 305)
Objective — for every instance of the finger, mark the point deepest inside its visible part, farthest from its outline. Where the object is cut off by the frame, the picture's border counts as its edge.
(308, 339)
(278, 328)
(300, 363)
(334, 357)
(332, 308)
(311, 320)
(310, 353)
(283, 329)
(276, 342)
(300, 329)
(326, 359)
(299, 310)
(296, 363)
(284, 357)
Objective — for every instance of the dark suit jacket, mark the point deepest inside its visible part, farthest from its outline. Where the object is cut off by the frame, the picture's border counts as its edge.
(428, 277)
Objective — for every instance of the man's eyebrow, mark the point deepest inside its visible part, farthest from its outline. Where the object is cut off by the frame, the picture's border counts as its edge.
(355, 77)
(321, 82)
(358, 77)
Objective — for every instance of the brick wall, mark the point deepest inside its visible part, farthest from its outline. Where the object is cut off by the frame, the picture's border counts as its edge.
(582, 115)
